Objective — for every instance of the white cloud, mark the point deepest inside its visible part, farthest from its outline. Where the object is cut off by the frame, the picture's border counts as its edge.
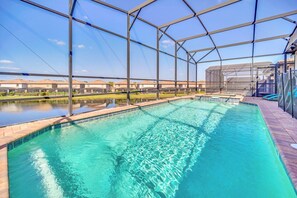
(80, 46)
(167, 43)
(57, 42)
(10, 68)
(81, 71)
(3, 61)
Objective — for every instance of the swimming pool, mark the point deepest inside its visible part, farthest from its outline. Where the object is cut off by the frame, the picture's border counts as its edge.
(185, 148)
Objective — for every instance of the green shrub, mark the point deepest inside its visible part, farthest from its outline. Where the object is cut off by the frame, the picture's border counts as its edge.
(43, 93)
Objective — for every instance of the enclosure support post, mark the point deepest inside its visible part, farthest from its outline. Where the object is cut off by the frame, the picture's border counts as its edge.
(70, 91)
(275, 78)
(283, 92)
(295, 62)
(251, 83)
(257, 78)
(188, 73)
(221, 75)
(285, 64)
(196, 82)
(292, 94)
(175, 69)
(158, 64)
(128, 59)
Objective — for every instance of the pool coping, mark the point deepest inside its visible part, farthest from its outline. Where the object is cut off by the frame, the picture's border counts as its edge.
(283, 132)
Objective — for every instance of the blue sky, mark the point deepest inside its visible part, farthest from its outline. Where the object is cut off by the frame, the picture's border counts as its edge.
(97, 53)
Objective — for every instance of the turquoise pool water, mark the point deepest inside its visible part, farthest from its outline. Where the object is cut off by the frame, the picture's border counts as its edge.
(186, 148)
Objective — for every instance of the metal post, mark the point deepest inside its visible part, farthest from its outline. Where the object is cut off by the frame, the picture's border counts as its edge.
(188, 73)
(196, 78)
(128, 59)
(295, 62)
(158, 64)
(283, 92)
(252, 77)
(221, 73)
(175, 69)
(285, 63)
(292, 94)
(70, 91)
(257, 79)
(275, 78)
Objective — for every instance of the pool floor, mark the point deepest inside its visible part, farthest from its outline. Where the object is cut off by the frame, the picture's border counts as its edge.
(186, 148)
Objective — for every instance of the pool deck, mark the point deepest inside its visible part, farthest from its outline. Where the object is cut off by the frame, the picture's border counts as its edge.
(281, 126)
(283, 129)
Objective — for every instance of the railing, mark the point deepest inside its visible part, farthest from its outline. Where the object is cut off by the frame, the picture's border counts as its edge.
(265, 88)
(287, 92)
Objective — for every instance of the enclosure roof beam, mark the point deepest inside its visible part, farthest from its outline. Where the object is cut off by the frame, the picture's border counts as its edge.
(221, 5)
(135, 18)
(243, 43)
(72, 7)
(254, 28)
(204, 27)
(237, 58)
(139, 18)
(164, 31)
(240, 25)
(110, 6)
(205, 55)
(288, 19)
(45, 8)
(291, 41)
(140, 6)
(181, 45)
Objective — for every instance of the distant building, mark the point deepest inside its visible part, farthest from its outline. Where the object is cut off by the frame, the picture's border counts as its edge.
(122, 86)
(290, 64)
(21, 85)
(147, 85)
(15, 84)
(237, 78)
(97, 86)
(167, 84)
(43, 84)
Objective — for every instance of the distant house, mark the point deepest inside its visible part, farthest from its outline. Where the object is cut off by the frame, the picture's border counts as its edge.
(97, 86)
(14, 84)
(122, 86)
(43, 84)
(290, 64)
(146, 85)
(62, 85)
(182, 84)
(201, 85)
(167, 84)
(192, 85)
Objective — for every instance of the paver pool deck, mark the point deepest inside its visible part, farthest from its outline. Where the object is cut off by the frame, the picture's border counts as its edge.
(282, 127)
